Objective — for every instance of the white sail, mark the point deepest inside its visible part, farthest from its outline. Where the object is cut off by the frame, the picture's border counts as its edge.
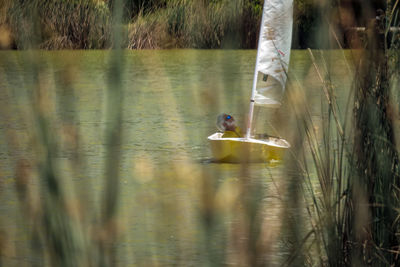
(274, 51)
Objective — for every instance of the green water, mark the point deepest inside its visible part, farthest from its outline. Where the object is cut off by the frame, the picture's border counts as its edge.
(171, 100)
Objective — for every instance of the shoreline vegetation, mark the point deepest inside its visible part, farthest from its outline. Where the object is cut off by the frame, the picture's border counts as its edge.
(87, 24)
(158, 24)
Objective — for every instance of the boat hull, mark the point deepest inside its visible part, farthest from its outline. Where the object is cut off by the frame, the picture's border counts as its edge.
(236, 150)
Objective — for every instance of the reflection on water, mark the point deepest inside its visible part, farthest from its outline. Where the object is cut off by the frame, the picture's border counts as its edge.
(176, 207)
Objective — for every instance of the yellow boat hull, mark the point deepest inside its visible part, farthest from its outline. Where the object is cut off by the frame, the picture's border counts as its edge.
(236, 150)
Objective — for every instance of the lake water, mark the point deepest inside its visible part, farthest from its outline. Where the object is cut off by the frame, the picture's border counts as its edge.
(168, 189)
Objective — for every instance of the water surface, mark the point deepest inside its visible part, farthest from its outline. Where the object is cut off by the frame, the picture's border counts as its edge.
(171, 100)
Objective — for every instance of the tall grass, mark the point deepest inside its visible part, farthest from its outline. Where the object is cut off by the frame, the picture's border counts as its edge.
(85, 24)
(149, 32)
(196, 24)
(375, 148)
(353, 209)
(58, 24)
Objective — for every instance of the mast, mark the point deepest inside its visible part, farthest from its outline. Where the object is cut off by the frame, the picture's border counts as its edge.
(253, 90)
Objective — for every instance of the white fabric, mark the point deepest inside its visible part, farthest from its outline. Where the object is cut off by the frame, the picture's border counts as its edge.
(270, 94)
(274, 48)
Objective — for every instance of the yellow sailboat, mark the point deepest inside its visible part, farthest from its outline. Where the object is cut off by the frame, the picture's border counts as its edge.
(236, 150)
(272, 63)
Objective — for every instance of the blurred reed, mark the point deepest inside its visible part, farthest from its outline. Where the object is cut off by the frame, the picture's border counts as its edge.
(338, 209)
(62, 233)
